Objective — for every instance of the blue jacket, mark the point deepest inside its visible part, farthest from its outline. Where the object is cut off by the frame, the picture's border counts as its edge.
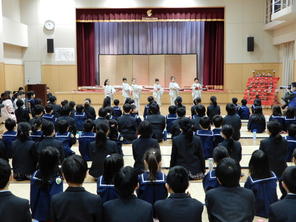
(106, 191)
(36, 136)
(244, 112)
(49, 117)
(280, 119)
(116, 112)
(291, 146)
(170, 119)
(217, 136)
(288, 122)
(265, 193)
(206, 137)
(210, 181)
(79, 120)
(8, 137)
(292, 103)
(67, 141)
(85, 139)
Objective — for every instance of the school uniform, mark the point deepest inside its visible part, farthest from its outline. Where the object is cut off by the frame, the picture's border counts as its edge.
(40, 197)
(8, 137)
(56, 109)
(49, 141)
(188, 154)
(279, 119)
(49, 117)
(71, 122)
(79, 120)
(170, 119)
(2, 151)
(85, 138)
(127, 126)
(98, 155)
(76, 204)
(137, 117)
(146, 110)
(265, 193)
(152, 191)
(116, 112)
(23, 161)
(235, 122)
(157, 122)
(283, 210)
(195, 122)
(213, 110)
(235, 152)
(106, 191)
(226, 204)
(210, 181)
(291, 146)
(140, 146)
(176, 130)
(22, 115)
(13, 208)
(206, 137)
(36, 136)
(244, 112)
(68, 141)
(257, 122)
(131, 209)
(90, 112)
(178, 207)
(288, 122)
(217, 138)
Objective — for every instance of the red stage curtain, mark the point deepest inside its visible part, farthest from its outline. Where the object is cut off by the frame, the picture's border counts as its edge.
(86, 54)
(214, 55)
(96, 15)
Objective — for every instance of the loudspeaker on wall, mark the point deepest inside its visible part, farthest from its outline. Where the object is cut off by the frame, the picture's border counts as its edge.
(250, 44)
(50, 46)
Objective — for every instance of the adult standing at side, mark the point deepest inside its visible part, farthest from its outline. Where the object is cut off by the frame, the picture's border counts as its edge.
(196, 89)
(109, 90)
(157, 92)
(174, 90)
(126, 89)
(136, 92)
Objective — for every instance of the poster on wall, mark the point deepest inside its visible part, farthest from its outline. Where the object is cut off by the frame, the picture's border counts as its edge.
(64, 54)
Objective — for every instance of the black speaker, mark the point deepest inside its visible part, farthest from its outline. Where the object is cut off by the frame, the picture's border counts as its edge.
(50, 46)
(250, 44)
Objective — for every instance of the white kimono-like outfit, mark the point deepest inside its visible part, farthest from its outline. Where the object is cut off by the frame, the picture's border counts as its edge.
(126, 91)
(109, 91)
(136, 92)
(157, 93)
(196, 90)
(174, 91)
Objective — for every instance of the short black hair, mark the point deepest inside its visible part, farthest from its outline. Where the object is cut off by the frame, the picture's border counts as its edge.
(48, 108)
(79, 108)
(112, 164)
(244, 102)
(62, 126)
(10, 124)
(289, 178)
(231, 109)
(19, 103)
(227, 131)
(88, 125)
(217, 120)
(52, 99)
(72, 104)
(74, 169)
(150, 99)
(102, 112)
(66, 110)
(276, 110)
(200, 110)
(292, 130)
(125, 182)
(64, 102)
(154, 108)
(219, 153)
(47, 127)
(178, 179)
(123, 79)
(228, 172)
(38, 109)
(145, 129)
(181, 112)
(234, 100)
(5, 172)
(205, 122)
(127, 108)
(116, 102)
(172, 109)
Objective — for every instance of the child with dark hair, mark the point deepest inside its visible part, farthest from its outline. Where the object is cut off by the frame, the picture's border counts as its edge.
(105, 184)
(184, 207)
(45, 182)
(213, 109)
(277, 116)
(38, 111)
(196, 101)
(31, 101)
(79, 117)
(114, 134)
(89, 110)
(179, 102)
(171, 117)
(49, 114)
(21, 113)
(65, 115)
(150, 100)
(135, 114)
(36, 132)
(206, 136)
(72, 105)
(244, 111)
(262, 182)
(126, 182)
(200, 112)
(67, 138)
(152, 183)
(175, 130)
(217, 137)
(233, 119)
(23, 161)
(85, 138)
(210, 180)
(257, 103)
(289, 118)
(157, 122)
(291, 139)
(257, 121)
(234, 102)
(9, 136)
(116, 113)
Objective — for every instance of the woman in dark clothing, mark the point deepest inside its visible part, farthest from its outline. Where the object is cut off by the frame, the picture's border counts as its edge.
(213, 109)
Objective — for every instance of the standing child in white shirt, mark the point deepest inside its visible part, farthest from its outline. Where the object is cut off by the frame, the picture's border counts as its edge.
(136, 92)
(109, 90)
(196, 89)
(157, 92)
(174, 90)
(126, 89)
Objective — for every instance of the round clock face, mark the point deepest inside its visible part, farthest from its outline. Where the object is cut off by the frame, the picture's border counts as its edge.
(49, 25)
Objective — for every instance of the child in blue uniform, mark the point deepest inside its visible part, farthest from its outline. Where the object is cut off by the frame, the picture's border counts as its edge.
(49, 114)
(206, 136)
(105, 184)
(262, 182)
(171, 118)
(277, 116)
(36, 132)
(289, 118)
(9, 136)
(85, 138)
(291, 139)
(46, 182)
(66, 137)
(117, 112)
(257, 121)
(152, 183)
(210, 180)
(244, 111)
(234, 102)
(79, 116)
(217, 121)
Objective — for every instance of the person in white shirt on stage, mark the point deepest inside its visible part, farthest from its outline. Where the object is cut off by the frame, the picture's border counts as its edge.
(126, 89)
(157, 92)
(196, 89)
(109, 90)
(136, 92)
(174, 90)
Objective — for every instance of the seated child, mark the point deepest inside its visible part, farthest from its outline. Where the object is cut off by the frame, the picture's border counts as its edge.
(291, 139)
(170, 118)
(114, 134)
(210, 180)
(65, 137)
(49, 113)
(85, 138)
(105, 184)
(135, 114)
(257, 121)
(196, 101)
(79, 116)
(277, 116)
(9, 136)
(234, 102)
(244, 111)
(21, 113)
(152, 183)
(36, 132)
(117, 112)
(217, 121)
(289, 118)
(206, 136)
(200, 112)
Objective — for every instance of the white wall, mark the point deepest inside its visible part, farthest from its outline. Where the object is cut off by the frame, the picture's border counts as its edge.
(11, 9)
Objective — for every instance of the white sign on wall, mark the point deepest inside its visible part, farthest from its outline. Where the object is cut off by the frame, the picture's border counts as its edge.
(64, 54)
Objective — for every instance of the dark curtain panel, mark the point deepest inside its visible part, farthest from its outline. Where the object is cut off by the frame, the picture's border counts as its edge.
(213, 74)
(86, 54)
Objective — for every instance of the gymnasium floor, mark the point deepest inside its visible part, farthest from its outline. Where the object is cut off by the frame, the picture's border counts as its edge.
(22, 189)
